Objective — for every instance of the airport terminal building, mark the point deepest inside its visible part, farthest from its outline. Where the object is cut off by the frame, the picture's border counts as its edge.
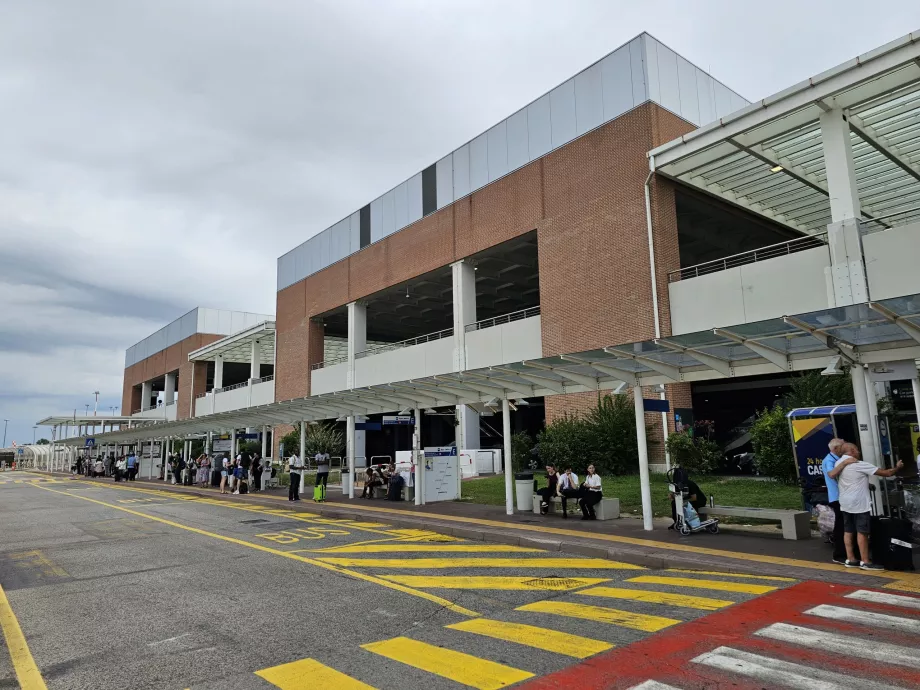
(640, 226)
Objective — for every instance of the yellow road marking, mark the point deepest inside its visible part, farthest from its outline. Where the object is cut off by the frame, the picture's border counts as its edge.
(501, 582)
(532, 636)
(775, 578)
(402, 547)
(309, 673)
(284, 554)
(39, 561)
(716, 585)
(602, 614)
(702, 603)
(592, 563)
(27, 673)
(457, 666)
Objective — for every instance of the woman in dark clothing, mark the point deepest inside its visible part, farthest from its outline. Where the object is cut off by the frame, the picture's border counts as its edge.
(256, 469)
(550, 490)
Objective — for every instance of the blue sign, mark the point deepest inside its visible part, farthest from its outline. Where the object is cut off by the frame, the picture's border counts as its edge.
(368, 426)
(656, 405)
(398, 419)
(446, 451)
(90, 443)
(247, 436)
(19, 451)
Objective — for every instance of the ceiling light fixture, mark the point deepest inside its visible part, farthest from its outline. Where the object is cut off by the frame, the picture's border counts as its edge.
(776, 168)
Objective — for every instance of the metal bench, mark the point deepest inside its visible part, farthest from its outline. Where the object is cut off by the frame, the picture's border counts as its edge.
(607, 509)
(796, 523)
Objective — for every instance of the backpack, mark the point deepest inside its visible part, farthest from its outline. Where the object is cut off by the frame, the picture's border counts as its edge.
(394, 490)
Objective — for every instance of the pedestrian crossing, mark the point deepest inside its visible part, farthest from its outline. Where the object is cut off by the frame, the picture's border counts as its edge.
(570, 626)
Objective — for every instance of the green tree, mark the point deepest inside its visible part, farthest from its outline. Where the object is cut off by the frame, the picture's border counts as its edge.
(695, 454)
(811, 389)
(521, 456)
(773, 444)
(42, 442)
(323, 438)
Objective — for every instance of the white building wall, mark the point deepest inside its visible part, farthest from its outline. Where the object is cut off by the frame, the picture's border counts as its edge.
(891, 261)
(509, 342)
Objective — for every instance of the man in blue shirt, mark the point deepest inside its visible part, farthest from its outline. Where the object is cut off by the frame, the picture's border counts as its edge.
(833, 497)
(132, 467)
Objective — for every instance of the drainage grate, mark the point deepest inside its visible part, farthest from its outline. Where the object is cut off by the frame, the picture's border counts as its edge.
(252, 522)
(553, 582)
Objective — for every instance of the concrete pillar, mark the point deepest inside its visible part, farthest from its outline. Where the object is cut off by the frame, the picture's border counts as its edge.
(255, 360)
(915, 383)
(839, 166)
(644, 481)
(264, 441)
(463, 275)
(146, 395)
(150, 466)
(303, 450)
(233, 445)
(509, 470)
(357, 342)
(352, 454)
(218, 372)
(169, 389)
(418, 458)
(864, 419)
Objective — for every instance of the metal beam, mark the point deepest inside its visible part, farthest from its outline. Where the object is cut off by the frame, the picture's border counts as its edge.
(624, 375)
(545, 382)
(666, 370)
(513, 386)
(907, 326)
(880, 144)
(772, 355)
(830, 342)
(590, 382)
(473, 386)
(723, 366)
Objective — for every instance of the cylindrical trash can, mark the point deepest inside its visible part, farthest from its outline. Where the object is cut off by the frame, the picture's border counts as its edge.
(523, 487)
(346, 481)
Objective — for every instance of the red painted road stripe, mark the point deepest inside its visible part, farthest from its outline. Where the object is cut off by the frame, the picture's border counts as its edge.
(666, 656)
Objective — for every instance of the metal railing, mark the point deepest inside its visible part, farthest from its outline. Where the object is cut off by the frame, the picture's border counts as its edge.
(270, 377)
(203, 395)
(504, 318)
(389, 347)
(169, 403)
(328, 363)
(231, 388)
(799, 244)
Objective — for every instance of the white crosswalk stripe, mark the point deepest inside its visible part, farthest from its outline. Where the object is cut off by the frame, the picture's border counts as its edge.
(833, 643)
(774, 672)
(653, 685)
(859, 617)
(885, 598)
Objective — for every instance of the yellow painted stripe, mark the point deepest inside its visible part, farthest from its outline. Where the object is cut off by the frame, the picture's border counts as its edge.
(717, 585)
(456, 666)
(684, 600)
(277, 552)
(433, 563)
(499, 582)
(309, 673)
(426, 548)
(774, 578)
(601, 614)
(27, 673)
(530, 635)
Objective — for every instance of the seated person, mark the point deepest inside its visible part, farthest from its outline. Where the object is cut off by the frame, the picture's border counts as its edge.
(695, 497)
(568, 488)
(550, 490)
(371, 480)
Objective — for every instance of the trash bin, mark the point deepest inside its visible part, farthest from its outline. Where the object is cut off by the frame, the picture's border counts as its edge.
(523, 487)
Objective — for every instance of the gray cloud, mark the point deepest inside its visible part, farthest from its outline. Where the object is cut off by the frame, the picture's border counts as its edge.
(161, 154)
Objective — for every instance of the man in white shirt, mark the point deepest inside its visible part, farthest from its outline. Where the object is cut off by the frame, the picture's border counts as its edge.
(322, 468)
(568, 488)
(852, 475)
(295, 465)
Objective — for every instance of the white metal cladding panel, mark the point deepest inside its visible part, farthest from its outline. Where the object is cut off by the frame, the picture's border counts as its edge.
(354, 232)
(444, 174)
(689, 101)
(668, 79)
(518, 148)
(616, 83)
(401, 205)
(237, 322)
(650, 54)
(637, 63)
(539, 127)
(439, 356)
(263, 393)
(340, 240)
(189, 324)
(706, 302)
(173, 332)
(329, 379)
(589, 99)
(302, 263)
(234, 399)
(414, 197)
(224, 321)
(891, 261)
(461, 160)
(389, 213)
(208, 321)
(286, 274)
(704, 91)
(377, 219)
(723, 97)
(802, 289)
(498, 151)
(511, 342)
(562, 113)
(157, 341)
(479, 162)
(129, 356)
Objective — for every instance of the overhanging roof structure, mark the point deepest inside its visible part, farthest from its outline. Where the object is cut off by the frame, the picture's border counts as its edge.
(238, 347)
(864, 333)
(768, 157)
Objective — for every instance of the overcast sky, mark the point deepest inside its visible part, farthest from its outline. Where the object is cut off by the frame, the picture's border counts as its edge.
(159, 155)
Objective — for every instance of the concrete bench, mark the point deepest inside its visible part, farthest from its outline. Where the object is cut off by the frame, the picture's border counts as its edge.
(407, 492)
(607, 509)
(796, 523)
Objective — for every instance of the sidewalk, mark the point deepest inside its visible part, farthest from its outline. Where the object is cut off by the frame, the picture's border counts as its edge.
(623, 539)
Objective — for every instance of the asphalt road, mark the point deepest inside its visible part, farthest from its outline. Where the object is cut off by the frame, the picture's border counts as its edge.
(118, 586)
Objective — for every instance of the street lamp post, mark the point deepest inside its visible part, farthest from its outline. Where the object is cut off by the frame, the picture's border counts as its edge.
(5, 422)
(86, 405)
(96, 405)
(33, 434)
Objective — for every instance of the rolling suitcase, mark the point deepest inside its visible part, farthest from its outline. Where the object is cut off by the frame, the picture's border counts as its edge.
(319, 493)
(891, 538)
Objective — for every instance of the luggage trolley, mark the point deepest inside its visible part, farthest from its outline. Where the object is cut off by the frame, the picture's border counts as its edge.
(687, 519)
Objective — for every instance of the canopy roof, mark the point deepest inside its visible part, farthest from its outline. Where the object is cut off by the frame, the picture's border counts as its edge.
(768, 157)
(864, 333)
(238, 347)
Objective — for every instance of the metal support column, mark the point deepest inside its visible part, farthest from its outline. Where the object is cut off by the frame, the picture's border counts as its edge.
(644, 480)
(509, 470)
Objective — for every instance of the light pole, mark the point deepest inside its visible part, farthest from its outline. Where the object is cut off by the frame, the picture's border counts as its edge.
(96, 405)
(86, 405)
(33, 434)
(5, 422)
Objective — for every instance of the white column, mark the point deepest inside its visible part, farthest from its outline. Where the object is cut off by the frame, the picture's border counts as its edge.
(915, 383)
(644, 481)
(164, 450)
(872, 399)
(255, 360)
(864, 419)
(169, 389)
(509, 470)
(146, 394)
(418, 456)
(264, 441)
(839, 166)
(463, 275)
(218, 372)
(150, 466)
(351, 451)
(357, 337)
(303, 450)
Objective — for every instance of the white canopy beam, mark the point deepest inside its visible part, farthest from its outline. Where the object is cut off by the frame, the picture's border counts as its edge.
(723, 366)
(544, 381)
(665, 370)
(772, 355)
(880, 144)
(907, 326)
(589, 382)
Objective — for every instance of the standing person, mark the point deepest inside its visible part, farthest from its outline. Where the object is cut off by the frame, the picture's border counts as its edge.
(568, 488)
(852, 475)
(591, 495)
(551, 489)
(256, 469)
(204, 470)
(833, 498)
(224, 474)
(295, 467)
(99, 468)
(178, 467)
(322, 468)
(132, 467)
(120, 466)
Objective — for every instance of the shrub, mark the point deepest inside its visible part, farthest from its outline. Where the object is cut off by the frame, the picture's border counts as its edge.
(811, 389)
(694, 453)
(773, 452)
(521, 456)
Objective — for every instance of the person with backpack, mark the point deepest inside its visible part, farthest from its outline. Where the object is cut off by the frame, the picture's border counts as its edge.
(238, 475)
(322, 468)
(371, 480)
(295, 465)
(191, 472)
(178, 467)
